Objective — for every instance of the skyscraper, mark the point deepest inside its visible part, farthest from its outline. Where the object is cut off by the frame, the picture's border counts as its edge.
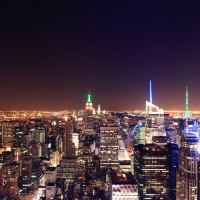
(7, 133)
(151, 169)
(187, 114)
(9, 180)
(141, 134)
(9, 176)
(108, 151)
(173, 166)
(187, 174)
(33, 149)
(66, 170)
(68, 147)
(26, 174)
(89, 105)
(99, 109)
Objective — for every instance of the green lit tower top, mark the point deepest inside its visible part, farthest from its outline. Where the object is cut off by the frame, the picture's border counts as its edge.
(187, 114)
(89, 102)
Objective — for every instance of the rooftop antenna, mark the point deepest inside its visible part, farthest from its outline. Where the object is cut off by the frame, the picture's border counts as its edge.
(150, 92)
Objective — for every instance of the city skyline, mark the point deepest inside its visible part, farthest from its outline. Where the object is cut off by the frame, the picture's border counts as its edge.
(89, 96)
(52, 54)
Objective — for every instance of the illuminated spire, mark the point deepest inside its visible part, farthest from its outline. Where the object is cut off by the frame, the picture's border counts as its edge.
(150, 92)
(89, 98)
(99, 109)
(89, 102)
(187, 114)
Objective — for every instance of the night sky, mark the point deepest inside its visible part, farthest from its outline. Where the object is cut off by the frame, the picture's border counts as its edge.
(53, 53)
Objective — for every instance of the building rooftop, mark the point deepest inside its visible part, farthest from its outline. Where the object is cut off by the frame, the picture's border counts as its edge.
(51, 169)
(190, 137)
(70, 157)
(152, 149)
(51, 184)
(120, 177)
(160, 139)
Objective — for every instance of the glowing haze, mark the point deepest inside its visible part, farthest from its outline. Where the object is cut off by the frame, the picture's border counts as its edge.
(52, 54)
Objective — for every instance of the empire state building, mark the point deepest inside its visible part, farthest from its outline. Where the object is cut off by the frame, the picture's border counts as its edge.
(89, 106)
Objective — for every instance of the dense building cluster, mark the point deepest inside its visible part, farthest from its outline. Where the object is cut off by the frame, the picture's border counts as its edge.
(99, 155)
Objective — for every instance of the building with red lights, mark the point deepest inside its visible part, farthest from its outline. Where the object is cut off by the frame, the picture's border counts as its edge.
(89, 105)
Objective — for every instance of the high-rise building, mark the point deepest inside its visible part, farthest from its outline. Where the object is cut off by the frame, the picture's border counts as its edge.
(154, 127)
(67, 169)
(151, 169)
(96, 164)
(7, 157)
(75, 139)
(9, 180)
(50, 175)
(37, 171)
(7, 133)
(123, 186)
(26, 182)
(99, 109)
(85, 162)
(33, 149)
(39, 135)
(89, 105)
(153, 110)
(140, 136)
(68, 147)
(187, 174)
(21, 141)
(108, 151)
(187, 114)
(9, 176)
(50, 190)
(198, 179)
(173, 166)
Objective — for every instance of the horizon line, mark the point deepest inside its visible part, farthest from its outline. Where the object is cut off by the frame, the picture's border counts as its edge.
(109, 110)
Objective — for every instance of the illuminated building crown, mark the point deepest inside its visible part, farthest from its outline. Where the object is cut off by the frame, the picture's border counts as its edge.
(89, 102)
